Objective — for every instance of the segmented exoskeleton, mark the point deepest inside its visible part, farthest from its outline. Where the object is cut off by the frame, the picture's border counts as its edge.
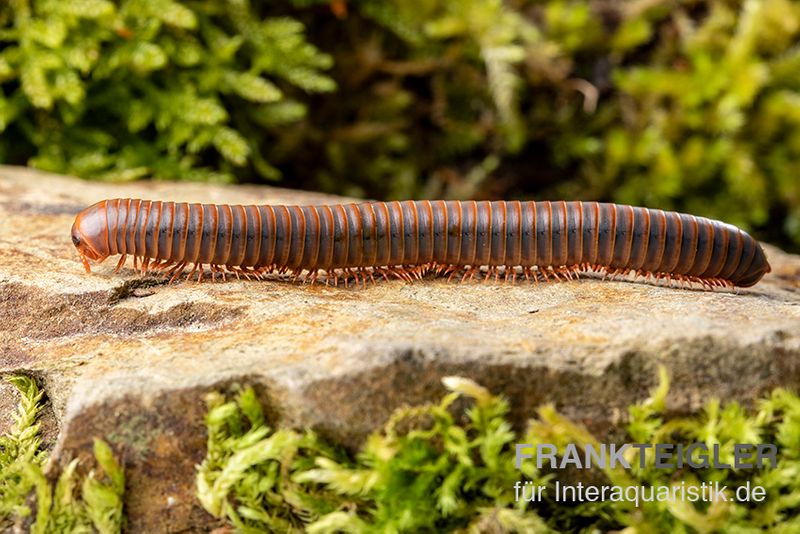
(535, 240)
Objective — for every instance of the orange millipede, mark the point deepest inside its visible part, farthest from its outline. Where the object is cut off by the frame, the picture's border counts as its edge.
(407, 239)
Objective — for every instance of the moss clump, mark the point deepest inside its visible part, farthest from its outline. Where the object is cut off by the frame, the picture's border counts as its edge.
(426, 471)
(138, 88)
(61, 507)
(436, 468)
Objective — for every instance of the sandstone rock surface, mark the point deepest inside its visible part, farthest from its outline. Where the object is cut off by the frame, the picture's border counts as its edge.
(130, 359)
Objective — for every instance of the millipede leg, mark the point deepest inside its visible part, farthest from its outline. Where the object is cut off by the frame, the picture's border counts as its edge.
(191, 273)
(233, 270)
(222, 269)
(566, 272)
(120, 263)
(451, 272)
(160, 265)
(423, 271)
(175, 272)
(400, 273)
(382, 271)
(473, 271)
(163, 265)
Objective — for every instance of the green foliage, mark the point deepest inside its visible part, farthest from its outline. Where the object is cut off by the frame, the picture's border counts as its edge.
(426, 470)
(774, 421)
(97, 507)
(19, 449)
(133, 88)
(432, 469)
(712, 117)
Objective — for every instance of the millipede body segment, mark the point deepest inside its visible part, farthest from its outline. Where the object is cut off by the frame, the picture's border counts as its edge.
(534, 240)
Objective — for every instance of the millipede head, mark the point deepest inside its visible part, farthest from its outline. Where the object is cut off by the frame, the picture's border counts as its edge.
(90, 234)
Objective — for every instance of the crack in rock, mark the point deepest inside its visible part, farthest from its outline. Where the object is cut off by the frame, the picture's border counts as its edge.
(26, 313)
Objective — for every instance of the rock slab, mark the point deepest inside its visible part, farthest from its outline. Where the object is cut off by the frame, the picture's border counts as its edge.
(130, 359)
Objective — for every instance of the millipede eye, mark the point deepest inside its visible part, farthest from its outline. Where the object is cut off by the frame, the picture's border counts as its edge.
(76, 240)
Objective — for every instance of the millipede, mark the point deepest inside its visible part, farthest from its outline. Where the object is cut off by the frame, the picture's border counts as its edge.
(532, 240)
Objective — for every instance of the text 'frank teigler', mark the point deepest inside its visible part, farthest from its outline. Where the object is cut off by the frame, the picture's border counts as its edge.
(664, 455)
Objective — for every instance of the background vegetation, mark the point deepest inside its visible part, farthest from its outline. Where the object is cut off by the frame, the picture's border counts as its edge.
(679, 104)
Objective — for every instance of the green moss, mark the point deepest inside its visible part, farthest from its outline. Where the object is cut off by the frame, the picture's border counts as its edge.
(442, 467)
(445, 468)
(426, 471)
(19, 450)
(157, 88)
(58, 507)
